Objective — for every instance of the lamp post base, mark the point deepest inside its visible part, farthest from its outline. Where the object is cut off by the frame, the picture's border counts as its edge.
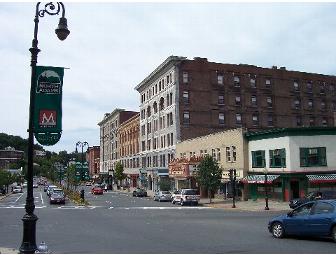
(29, 234)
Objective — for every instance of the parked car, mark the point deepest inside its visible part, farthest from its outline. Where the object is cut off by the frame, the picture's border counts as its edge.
(17, 189)
(49, 190)
(139, 193)
(187, 196)
(24, 184)
(162, 196)
(315, 218)
(97, 190)
(323, 194)
(176, 196)
(57, 196)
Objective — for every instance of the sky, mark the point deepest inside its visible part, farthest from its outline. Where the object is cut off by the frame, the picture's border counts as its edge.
(113, 46)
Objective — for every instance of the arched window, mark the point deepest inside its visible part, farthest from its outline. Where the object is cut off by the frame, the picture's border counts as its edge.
(148, 111)
(155, 109)
(161, 103)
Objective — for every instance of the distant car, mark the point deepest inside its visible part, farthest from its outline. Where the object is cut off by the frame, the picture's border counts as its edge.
(35, 185)
(49, 189)
(97, 190)
(162, 196)
(315, 218)
(17, 189)
(57, 196)
(24, 184)
(322, 194)
(187, 196)
(139, 193)
(176, 196)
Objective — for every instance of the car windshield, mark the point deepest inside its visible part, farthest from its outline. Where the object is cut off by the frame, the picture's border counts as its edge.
(191, 192)
(58, 191)
(165, 192)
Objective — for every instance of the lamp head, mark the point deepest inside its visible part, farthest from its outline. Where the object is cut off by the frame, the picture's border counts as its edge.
(62, 30)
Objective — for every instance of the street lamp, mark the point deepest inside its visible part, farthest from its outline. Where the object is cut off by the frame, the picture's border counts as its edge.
(29, 219)
(82, 145)
(266, 191)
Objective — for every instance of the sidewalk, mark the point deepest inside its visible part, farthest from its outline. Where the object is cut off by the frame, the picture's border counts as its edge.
(8, 251)
(250, 205)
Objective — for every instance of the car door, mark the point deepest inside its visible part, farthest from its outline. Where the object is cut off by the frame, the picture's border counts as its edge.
(320, 220)
(294, 222)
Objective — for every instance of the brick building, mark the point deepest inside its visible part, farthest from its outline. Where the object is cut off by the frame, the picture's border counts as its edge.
(10, 155)
(128, 136)
(93, 154)
(109, 155)
(182, 99)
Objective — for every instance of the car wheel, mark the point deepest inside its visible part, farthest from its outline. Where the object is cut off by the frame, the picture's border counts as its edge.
(181, 202)
(278, 230)
(333, 233)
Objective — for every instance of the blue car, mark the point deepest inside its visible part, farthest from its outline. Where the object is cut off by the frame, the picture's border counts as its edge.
(315, 218)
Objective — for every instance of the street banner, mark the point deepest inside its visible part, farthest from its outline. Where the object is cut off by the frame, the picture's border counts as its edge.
(48, 104)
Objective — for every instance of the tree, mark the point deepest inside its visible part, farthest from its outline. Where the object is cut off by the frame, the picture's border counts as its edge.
(164, 184)
(119, 172)
(209, 175)
(5, 179)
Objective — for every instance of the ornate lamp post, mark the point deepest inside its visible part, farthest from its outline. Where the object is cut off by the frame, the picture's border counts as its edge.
(29, 219)
(82, 145)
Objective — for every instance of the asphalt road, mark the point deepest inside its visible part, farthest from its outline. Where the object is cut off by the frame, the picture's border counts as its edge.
(118, 223)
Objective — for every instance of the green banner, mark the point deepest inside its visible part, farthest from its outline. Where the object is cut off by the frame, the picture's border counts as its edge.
(48, 104)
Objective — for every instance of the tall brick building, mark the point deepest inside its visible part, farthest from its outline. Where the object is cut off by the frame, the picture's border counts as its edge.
(93, 154)
(183, 99)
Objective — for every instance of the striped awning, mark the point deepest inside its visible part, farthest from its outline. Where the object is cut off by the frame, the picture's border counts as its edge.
(321, 178)
(259, 178)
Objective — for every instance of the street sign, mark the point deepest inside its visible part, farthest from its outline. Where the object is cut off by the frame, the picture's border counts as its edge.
(48, 104)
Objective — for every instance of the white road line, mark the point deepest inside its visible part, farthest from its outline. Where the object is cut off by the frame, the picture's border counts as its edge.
(42, 198)
(161, 208)
(18, 197)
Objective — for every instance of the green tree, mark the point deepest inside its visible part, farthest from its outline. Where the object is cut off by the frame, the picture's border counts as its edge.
(209, 175)
(5, 179)
(119, 173)
(164, 184)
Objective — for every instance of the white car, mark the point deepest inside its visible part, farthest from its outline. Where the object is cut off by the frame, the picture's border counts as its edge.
(17, 189)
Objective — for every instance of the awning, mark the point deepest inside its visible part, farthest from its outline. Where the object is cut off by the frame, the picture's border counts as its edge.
(259, 178)
(321, 178)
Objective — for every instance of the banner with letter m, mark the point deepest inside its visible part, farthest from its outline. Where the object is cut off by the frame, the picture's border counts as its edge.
(48, 104)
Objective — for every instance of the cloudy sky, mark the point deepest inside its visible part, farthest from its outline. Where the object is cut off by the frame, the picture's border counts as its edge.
(113, 46)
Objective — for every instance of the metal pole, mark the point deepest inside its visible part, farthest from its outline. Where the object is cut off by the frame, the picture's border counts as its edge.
(234, 190)
(266, 193)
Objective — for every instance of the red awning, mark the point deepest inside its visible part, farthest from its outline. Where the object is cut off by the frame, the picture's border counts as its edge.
(321, 178)
(259, 178)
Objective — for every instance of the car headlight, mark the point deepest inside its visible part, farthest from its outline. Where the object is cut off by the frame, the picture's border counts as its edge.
(52, 198)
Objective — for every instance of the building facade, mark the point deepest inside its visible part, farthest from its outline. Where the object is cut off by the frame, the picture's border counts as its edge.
(128, 136)
(295, 160)
(183, 99)
(109, 141)
(93, 154)
(8, 156)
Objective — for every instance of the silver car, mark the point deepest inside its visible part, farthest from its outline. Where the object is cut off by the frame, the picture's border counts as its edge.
(162, 196)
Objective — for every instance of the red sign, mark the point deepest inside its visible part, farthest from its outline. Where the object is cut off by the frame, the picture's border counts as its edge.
(47, 118)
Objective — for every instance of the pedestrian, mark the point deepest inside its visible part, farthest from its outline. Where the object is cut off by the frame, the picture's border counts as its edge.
(82, 195)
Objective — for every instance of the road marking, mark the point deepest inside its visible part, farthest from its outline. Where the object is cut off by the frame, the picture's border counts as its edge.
(42, 198)
(161, 208)
(18, 198)
(20, 207)
(75, 207)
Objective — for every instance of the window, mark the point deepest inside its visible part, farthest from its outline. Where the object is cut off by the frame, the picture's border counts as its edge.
(277, 158)
(296, 86)
(238, 118)
(310, 104)
(143, 145)
(161, 106)
(143, 130)
(322, 88)
(220, 99)
(311, 121)
(149, 144)
(148, 111)
(270, 120)
(253, 83)
(238, 100)
(221, 118)
(268, 83)
(332, 88)
(258, 159)
(297, 103)
(255, 119)
(228, 154)
(322, 207)
(234, 153)
(324, 122)
(323, 105)
(303, 210)
(269, 102)
(155, 108)
(298, 121)
(186, 117)
(218, 154)
(311, 157)
(236, 81)
(309, 87)
(254, 100)
(186, 97)
(185, 77)
(220, 79)
(149, 128)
